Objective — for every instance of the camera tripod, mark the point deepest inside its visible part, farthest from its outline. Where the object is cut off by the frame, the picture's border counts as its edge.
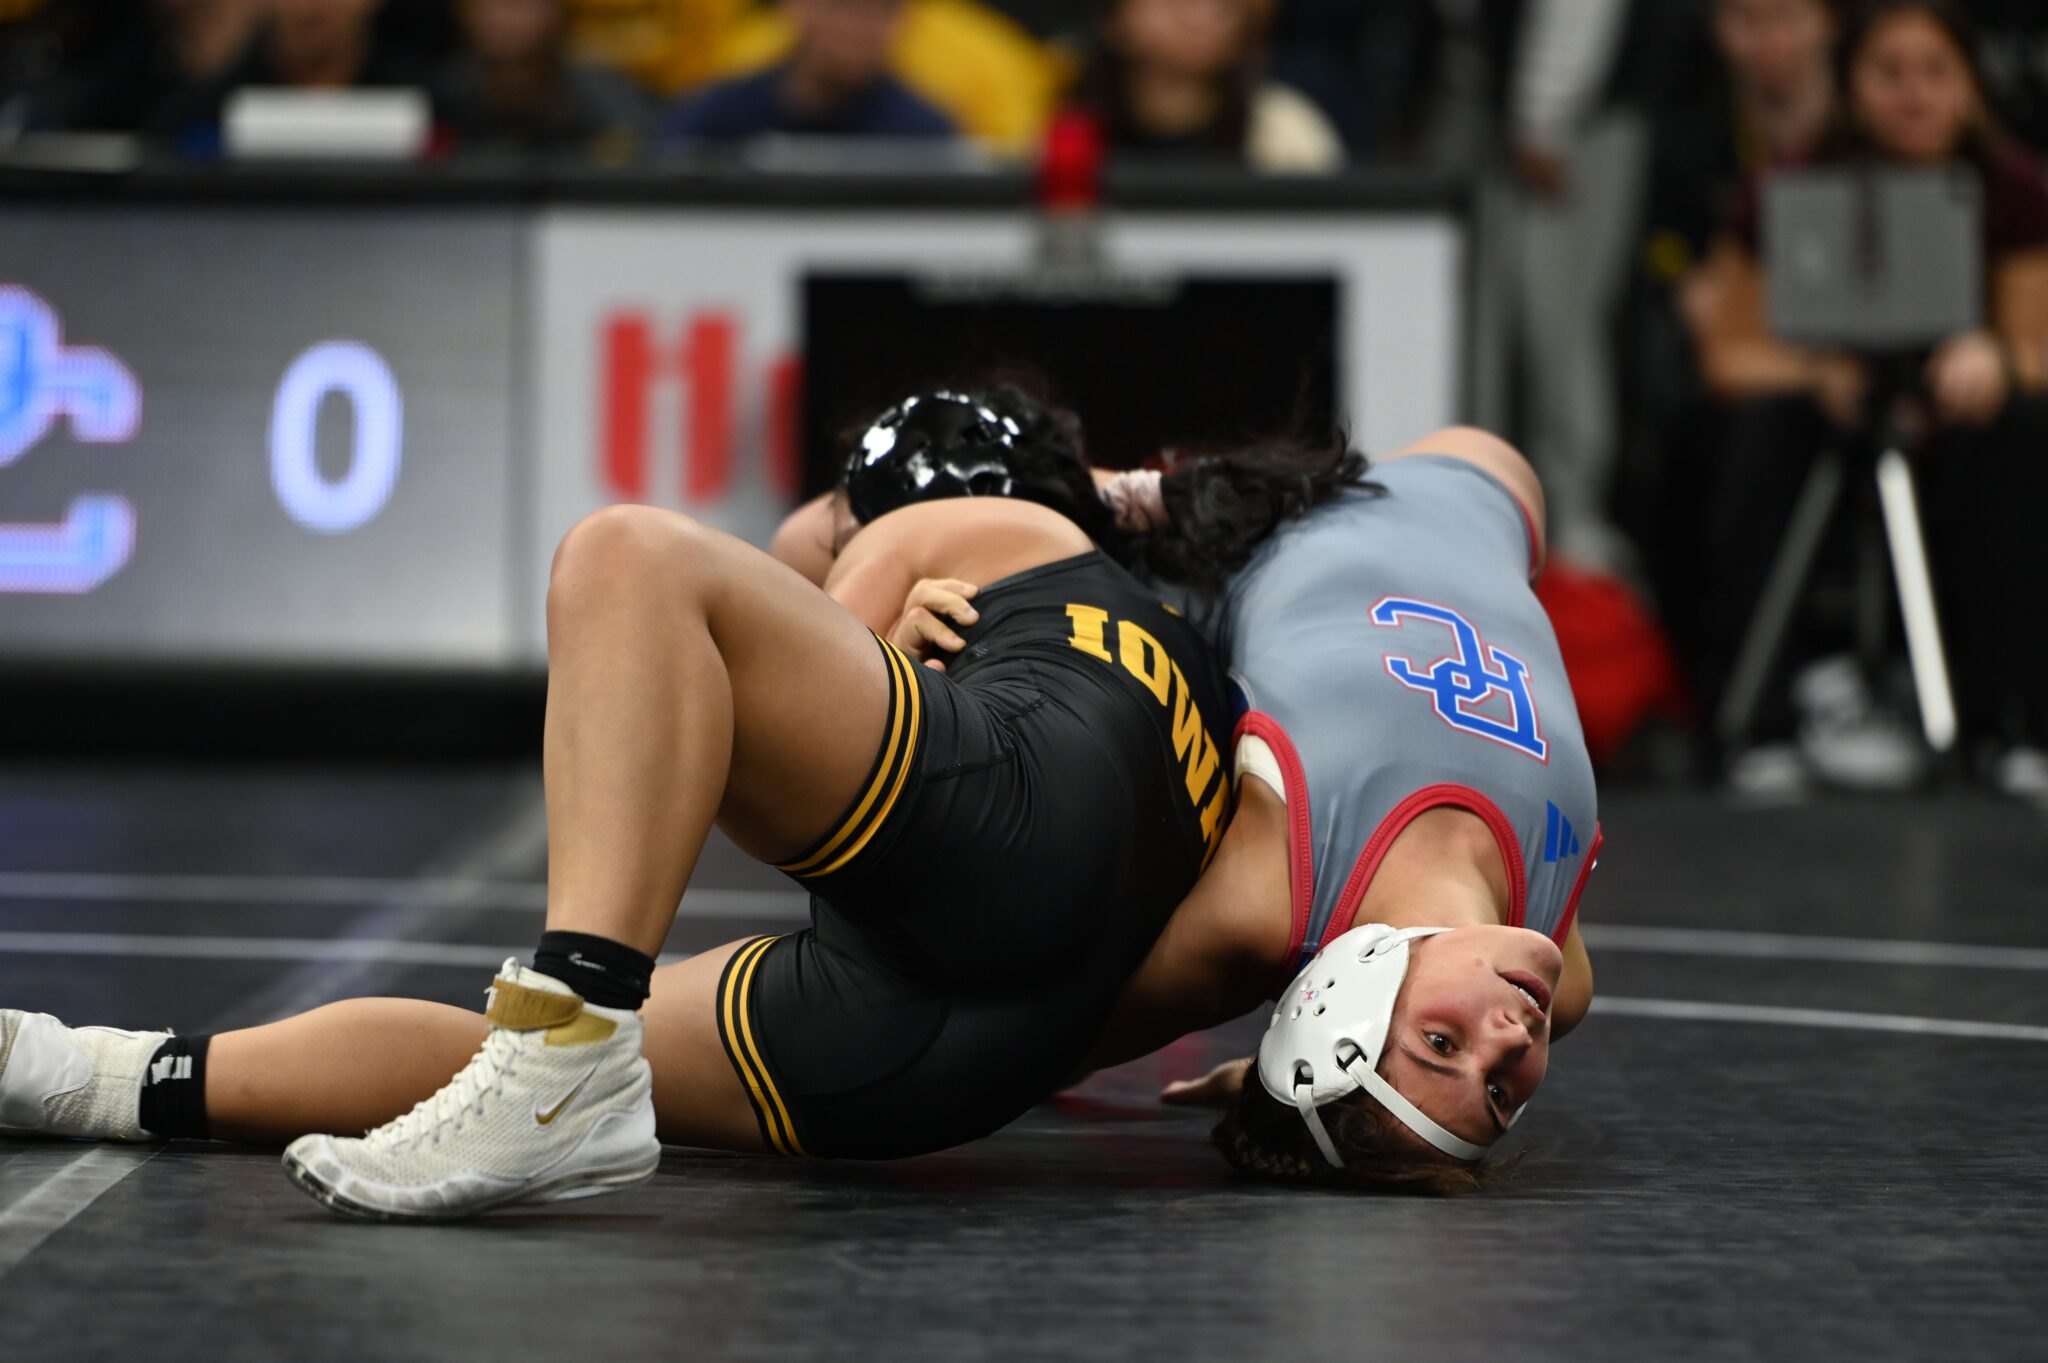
(1878, 453)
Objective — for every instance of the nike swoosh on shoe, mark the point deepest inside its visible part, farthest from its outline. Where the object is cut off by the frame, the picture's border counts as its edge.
(549, 1116)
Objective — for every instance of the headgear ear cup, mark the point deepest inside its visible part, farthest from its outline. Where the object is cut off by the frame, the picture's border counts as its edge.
(1326, 1037)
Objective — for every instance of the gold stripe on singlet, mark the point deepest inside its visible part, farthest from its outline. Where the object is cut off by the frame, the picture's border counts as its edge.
(736, 1029)
(892, 770)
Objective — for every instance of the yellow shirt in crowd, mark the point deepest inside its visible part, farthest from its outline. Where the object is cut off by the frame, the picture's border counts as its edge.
(980, 69)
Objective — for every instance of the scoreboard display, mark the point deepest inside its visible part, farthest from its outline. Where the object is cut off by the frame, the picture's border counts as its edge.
(257, 436)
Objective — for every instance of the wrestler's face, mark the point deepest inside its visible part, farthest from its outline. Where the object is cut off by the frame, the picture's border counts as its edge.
(1470, 1037)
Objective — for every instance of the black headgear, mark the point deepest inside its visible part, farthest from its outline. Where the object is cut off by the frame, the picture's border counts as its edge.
(930, 446)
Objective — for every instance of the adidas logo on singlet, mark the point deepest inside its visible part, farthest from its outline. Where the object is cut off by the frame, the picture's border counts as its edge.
(1559, 841)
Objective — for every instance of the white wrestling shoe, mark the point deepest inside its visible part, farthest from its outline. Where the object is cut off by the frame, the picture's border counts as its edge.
(559, 1103)
(83, 1082)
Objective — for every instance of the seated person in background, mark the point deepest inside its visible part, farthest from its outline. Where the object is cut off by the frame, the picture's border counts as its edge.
(516, 82)
(307, 44)
(1912, 96)
(1181, 78)
(1762, 95)
(835, 81)
(980, 68)
(1770, 106)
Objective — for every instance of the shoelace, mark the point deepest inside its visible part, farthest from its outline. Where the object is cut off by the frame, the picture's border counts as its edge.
(485, 1073)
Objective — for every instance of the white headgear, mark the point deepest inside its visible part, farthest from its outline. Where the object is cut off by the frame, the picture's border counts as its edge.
(1330, 1029)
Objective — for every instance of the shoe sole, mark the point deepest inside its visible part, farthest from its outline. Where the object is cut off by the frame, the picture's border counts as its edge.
(561, 1188)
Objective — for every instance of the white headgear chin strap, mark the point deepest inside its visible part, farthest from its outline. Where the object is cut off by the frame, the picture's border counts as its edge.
(1328, 1033)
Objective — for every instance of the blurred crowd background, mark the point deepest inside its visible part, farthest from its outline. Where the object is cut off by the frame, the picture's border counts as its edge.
(1623, 140)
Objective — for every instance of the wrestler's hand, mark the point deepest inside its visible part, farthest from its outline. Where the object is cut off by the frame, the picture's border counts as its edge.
(931, 610)
(1218, 1088)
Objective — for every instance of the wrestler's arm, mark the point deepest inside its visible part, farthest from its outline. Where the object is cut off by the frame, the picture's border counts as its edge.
(1215, 959)
(979, 539)
(809, 537)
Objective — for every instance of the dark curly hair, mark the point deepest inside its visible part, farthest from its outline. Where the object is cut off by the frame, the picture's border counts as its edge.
(1265, 1138)
(1220, 508)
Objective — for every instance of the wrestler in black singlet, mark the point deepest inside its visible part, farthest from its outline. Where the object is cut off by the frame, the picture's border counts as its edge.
(1034, 816)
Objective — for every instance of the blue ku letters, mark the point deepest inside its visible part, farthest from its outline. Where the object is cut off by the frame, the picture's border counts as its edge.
(1464, 680)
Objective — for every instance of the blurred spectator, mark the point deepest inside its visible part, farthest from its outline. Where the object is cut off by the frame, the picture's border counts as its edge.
(1757, 90)
(835, 81)
(1771, 108)
(516, 83)
(104, 65)
(1578, 154)
(666, 46)
(990, 77)
(1912, 96)
(1184, 78)
(307, 44)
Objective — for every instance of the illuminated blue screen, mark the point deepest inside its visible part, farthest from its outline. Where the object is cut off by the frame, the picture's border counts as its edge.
(263, 437)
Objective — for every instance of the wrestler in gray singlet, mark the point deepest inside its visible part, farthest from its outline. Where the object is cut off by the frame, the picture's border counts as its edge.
(1395, 660)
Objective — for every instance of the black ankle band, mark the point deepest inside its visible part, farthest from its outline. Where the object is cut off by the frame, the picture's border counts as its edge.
(607, 973)
(174, 1089)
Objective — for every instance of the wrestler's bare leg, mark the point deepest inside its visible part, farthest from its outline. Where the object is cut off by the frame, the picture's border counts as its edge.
(351, 1066)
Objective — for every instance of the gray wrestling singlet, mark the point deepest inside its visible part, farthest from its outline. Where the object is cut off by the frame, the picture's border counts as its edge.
(1395, 660)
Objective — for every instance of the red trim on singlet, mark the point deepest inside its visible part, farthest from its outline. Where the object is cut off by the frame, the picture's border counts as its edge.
(1398, 819)
(1300, 839)
(1571, 906)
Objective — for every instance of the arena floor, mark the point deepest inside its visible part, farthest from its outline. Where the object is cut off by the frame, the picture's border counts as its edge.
(1803, 1123)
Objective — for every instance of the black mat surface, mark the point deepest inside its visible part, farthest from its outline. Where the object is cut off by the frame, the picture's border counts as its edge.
(1797, 1168)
